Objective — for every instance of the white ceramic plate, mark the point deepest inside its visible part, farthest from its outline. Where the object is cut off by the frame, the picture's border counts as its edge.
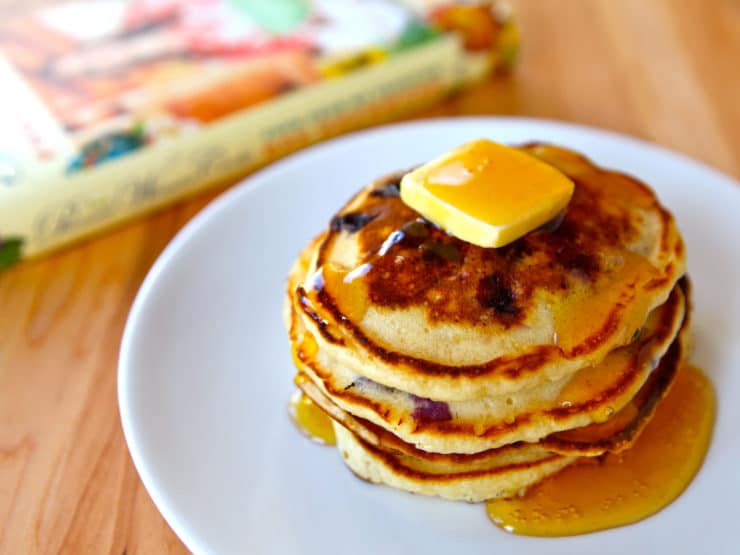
(205, 371)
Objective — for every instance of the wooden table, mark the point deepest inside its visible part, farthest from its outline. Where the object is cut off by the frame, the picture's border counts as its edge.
(662, 70)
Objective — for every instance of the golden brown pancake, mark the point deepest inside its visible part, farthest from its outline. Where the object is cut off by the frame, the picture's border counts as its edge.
(391, 297)
(479, 483)
(471, 373)
(378, 456)
(593, 394)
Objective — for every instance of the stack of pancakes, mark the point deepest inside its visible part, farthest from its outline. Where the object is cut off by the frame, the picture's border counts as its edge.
(471, 373)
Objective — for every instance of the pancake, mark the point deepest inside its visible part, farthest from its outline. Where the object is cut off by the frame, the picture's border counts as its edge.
(389, 296)
(592, 395)
(378, 456)
(472, 373)
(477, 484)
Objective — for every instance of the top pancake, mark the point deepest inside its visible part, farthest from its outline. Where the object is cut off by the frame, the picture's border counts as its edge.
(400, 301)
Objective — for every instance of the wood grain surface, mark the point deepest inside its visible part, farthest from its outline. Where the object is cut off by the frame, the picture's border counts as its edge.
(663, 70)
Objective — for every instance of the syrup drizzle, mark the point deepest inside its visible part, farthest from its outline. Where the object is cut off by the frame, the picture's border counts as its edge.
(620, 489)
(311, 420)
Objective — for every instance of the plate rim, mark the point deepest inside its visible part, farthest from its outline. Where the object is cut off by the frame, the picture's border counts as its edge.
(253, 184)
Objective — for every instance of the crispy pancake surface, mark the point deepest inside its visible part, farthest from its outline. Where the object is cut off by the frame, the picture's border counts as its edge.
(378, 456)
(591, 395)
(393, 298)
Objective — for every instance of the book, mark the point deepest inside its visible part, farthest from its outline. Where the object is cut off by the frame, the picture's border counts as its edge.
(111, 109)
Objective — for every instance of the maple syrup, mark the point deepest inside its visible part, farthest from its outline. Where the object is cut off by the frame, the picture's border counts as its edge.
(619, 489)
(311, 420)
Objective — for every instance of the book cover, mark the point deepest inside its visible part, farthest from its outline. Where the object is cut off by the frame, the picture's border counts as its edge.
(113, 108)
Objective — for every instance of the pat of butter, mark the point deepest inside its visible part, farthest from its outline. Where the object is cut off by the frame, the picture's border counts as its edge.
(486, 193)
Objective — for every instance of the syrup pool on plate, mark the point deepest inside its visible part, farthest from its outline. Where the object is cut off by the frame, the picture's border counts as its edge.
(311, 420)
(619, 489)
